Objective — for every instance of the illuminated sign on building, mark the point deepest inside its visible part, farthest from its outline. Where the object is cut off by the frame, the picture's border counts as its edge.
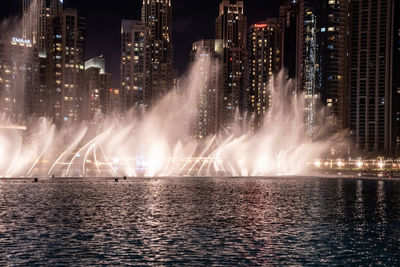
(260, 25)
(21, 41)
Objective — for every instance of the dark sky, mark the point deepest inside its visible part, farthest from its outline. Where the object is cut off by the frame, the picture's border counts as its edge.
(192, 20)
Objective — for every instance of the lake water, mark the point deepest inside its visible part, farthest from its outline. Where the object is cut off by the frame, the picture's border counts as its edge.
(200, 221)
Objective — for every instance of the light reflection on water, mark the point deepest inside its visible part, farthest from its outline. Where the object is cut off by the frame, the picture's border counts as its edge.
(193, 221)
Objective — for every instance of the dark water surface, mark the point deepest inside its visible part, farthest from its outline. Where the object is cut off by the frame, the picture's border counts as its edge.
(199, 221)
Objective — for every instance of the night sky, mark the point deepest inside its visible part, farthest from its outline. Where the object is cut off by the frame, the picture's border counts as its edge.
(192, 20)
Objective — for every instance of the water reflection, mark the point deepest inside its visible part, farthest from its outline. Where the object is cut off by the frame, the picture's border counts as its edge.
(381, 205)
(200, 222)
(340, 199)
(359, 202)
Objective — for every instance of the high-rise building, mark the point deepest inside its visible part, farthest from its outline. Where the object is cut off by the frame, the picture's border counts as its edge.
(322, 60)
(306, 70)
(91, 103)
(372, 95)
(136, 88)
(37, 16)
(396, 80)
(105, 93)
(231, 28)
(97, 62)
(265, 61)
(65, 67)
(97, 92)
(157, 17)
(208, 113)
(288, 14)
(19, 77)
(97, 86)
(332, 70)
(36, 19)
(112, 101)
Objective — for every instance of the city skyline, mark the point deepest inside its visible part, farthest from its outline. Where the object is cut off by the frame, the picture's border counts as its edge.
(189, 25)
(210, 132)
(338, 62)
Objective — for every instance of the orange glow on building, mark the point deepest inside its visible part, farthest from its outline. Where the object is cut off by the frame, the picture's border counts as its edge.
(260, 25)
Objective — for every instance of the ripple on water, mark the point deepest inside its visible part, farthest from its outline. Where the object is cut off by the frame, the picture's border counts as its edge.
(188, 221)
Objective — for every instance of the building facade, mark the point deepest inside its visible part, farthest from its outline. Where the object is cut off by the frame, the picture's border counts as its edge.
(65, 71)
(97, 62)
(322, 60)
(396, 81)
(36, 19)
(307, 62)
(288, 14)
(265, 61)
(371, 75)
(332, 52)
(231, 28)
(157, 17)
(97, 93)
(19, 78)
(97, 88)
(210, 104)
(105, 93)
(112, 101)
(136, 86)
(37, 16)
(91, 102)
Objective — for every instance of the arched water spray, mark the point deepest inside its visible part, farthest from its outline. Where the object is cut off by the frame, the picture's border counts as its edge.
(160, 142)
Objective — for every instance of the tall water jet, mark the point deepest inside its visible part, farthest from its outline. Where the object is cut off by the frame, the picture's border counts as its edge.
(161, 141)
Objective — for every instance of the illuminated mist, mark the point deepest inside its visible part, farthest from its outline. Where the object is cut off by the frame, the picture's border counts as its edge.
(160, 142)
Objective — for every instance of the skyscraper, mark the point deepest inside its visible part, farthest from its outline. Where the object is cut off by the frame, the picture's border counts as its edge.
(19, 77)
(136, 87)
(322, 60)
(97, 62)
(208, 113)
(97, 86)
(307, 62)
(231, 28)
(112, 101)
(105, 92)
(288, 14)
(265, 61)
(396, 80)
(332, 70)
(91, 97)
(36, 18)
(157, 17)
(372, 95)
(65, 67)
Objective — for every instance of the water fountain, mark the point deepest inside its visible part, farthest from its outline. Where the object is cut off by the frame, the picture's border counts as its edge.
(160, 142)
